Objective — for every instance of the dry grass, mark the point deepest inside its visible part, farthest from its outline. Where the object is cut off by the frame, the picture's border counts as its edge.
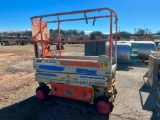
(69, 50)
(16, 68)
(16, 52)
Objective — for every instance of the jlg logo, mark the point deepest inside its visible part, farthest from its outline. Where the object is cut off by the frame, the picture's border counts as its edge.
(69, 92)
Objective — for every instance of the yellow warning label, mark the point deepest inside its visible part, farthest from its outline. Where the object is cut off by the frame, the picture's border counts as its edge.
(104, 65)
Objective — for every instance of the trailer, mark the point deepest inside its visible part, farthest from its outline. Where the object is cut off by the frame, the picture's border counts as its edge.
(88, 78)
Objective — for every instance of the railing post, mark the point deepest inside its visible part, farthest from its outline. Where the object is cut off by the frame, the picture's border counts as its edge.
(110, 41)
(41, 37)
(116, 37)
(59, 38)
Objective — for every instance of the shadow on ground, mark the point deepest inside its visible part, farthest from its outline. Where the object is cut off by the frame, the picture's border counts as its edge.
(150, 104)
(127, 67)
(52, 109)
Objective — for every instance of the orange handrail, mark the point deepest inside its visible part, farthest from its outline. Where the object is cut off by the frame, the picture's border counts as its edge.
(112, 14)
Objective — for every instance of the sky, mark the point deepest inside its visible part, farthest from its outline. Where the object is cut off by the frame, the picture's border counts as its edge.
(132, 14)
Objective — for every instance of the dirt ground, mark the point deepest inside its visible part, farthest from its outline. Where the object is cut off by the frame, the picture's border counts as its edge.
(134, 101)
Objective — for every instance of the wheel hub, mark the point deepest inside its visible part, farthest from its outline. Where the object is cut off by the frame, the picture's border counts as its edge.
(103, 107)
(40, 95)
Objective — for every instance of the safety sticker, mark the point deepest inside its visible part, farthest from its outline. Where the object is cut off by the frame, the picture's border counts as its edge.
(104, 65)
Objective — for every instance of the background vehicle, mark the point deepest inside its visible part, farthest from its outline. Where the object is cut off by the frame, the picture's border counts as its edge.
(5, 43)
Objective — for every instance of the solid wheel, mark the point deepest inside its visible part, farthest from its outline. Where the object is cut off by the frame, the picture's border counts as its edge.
(42, 92)
(103, 106)
(40, 95)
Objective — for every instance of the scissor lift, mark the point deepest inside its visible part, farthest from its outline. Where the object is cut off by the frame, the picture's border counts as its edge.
(85, 78)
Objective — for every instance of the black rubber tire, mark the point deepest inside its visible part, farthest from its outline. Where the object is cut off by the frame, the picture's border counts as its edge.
(115, 91)
(159, 72)
(45, 89)
(105, 99)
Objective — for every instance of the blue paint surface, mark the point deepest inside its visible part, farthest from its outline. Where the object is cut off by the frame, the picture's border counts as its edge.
(55, 68)
(47, 74)
(86, 71)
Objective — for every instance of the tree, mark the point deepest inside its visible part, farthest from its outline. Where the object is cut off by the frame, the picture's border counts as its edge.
(158, 32)
(124, 34)
(114, 36)
(82, 33)
(28, 33)
(98, 33)
(53, 34)
(92, 36)
(75, 32)
(18, 35)
(148, 31)
(63, 32)
(69, 33)
(140, 32)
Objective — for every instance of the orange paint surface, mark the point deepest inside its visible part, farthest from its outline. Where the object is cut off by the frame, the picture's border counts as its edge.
(46, 49)
(72, 92)
(80, 64)
(37, 28)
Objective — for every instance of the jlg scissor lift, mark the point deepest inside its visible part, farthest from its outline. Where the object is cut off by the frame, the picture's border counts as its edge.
(85, 78)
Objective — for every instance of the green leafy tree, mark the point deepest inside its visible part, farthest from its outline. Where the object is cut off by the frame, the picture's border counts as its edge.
(98, 33)
(92, 36)
(148, 31)
(140, 32)
(81, 33)
(124, 34)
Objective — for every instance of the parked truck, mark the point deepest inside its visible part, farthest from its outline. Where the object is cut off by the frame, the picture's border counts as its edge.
(85, 78)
